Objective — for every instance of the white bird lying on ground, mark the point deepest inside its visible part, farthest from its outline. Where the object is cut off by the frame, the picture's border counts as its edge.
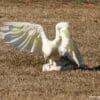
(31, 37)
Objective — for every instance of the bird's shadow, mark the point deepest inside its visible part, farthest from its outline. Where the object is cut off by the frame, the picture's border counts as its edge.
(94, 68)
(70, 65)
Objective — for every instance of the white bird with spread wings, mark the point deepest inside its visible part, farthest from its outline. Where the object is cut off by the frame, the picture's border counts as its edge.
(31, 37)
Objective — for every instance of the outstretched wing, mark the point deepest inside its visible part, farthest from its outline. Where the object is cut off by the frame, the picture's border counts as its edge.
(23, 35)
(74, 53)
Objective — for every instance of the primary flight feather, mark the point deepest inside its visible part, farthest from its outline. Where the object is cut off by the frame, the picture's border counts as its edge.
(31, 37)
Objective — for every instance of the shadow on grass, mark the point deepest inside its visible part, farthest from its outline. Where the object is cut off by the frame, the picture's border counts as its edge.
(86, 67)
(70, 65)
(95, 68)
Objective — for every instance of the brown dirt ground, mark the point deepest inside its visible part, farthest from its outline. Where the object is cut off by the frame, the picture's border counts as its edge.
(21, 77)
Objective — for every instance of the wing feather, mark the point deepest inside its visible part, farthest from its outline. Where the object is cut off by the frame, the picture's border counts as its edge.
(72, 47)
(23, 35)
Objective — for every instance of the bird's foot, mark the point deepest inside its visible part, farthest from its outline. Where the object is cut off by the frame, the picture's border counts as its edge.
(53, 67)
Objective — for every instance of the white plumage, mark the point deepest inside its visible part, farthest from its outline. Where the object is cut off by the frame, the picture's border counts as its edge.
(31, 37)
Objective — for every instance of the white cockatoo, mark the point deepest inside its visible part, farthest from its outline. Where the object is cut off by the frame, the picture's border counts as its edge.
(31, 37)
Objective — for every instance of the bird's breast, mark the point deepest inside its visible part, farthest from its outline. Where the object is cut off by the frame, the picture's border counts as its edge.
(63, 47)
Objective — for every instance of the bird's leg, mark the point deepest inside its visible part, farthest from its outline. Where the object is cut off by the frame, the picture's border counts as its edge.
(46, 60)
(75, 58)
(79, 63)
(50, 61)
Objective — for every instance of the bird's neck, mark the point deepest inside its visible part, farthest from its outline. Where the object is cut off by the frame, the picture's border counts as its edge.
(65, 35)
(57, 39)
(57, 36)
(53, 42)
(43, 37)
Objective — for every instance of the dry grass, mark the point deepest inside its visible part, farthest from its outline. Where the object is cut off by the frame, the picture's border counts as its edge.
(20, 73)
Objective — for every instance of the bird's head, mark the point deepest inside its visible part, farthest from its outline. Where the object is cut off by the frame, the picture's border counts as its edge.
(62, 28)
